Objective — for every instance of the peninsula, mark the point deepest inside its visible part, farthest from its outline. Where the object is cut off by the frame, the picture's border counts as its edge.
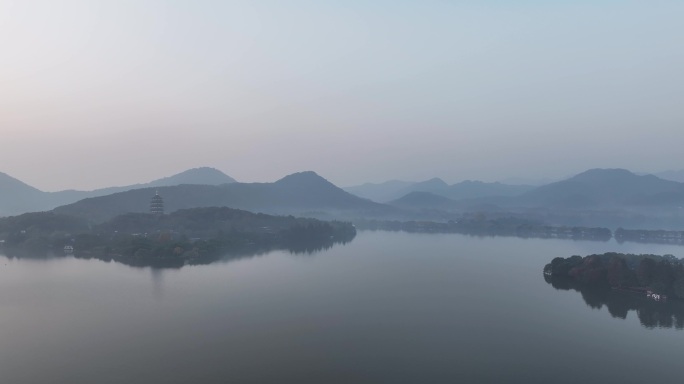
(186, 236)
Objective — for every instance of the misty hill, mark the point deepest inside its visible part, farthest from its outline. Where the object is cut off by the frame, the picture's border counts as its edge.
(395, 189)
(473, 189)
(202, 176)
(299, 193)
(380, 192)
(534, 182)
(433, 185)
(392, 190)
(423, 200)
(606, 197)
(677, 176)
(17, 197)
(603, 188)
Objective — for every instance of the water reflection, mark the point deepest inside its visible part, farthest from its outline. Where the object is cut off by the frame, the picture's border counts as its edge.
(157, 276)
(296, 247)
(651, 314)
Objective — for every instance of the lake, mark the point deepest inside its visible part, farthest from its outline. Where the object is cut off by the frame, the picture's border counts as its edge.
(385, 308)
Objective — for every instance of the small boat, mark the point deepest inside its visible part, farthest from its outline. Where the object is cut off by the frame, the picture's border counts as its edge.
(68, 249)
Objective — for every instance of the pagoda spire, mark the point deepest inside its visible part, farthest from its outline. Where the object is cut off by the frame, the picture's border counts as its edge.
(157, 204)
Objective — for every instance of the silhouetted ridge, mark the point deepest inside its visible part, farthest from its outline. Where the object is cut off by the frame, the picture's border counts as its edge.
(419, 199)
(304, 180)
(677, 175)
(434, 183)
(610, 175)
(308, 189)
(299, 193)
(17, 197)
(202, 175)
(608, 187)
(393, 190)
(470, 189)
(601, 173)
(10, 184)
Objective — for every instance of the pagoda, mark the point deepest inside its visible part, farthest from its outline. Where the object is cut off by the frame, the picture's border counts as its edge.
(157, 204)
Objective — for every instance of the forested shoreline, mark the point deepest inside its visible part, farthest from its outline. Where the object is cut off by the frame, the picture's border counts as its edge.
(647, 274)
(189, 236)
(506, 226)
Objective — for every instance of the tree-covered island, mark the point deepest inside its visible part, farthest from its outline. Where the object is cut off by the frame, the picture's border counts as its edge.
(653, 276)
(188, 236)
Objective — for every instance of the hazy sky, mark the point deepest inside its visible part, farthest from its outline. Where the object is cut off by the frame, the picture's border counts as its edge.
(98, 93)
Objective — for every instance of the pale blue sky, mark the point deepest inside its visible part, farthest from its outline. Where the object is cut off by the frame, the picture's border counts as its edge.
(95, 93)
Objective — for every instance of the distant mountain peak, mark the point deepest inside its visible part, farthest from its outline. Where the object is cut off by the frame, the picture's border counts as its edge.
(8, 182)
(419, 196)
(422, 199)
(17, 197)
(608, 175)
(201, 175)
(604, 171)
(297, 193)
(204, 170)
(431, 185)
(672, 175)
(306, 181)
(603, 187)
(475, 182)
(303, 176)
(436, 181)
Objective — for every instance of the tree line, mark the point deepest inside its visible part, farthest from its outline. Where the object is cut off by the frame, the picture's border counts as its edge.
(660, 274)
(195, 235)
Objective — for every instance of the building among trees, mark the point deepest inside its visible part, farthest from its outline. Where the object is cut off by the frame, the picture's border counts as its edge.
(157, 204)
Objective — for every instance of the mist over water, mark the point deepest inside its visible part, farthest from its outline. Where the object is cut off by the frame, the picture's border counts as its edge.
(387, 307)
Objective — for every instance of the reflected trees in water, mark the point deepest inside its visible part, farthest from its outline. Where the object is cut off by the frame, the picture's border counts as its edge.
(651, 313)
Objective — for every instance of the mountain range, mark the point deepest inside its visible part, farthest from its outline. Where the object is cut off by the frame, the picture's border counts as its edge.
(304, 193)
(395, 189)
(614, 193)
(607, 188)
(602, 189)
(677, 175)
(17, 197)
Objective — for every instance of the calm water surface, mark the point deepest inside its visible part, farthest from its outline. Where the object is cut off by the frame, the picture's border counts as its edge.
(385, 308)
